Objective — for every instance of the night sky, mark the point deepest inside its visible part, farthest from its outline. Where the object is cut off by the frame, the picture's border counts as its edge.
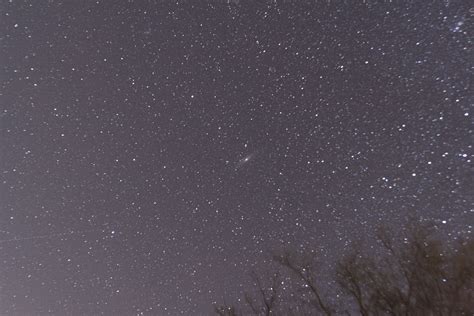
(152, 152)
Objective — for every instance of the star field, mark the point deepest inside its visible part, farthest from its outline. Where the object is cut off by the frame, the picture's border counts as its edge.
(153, 152)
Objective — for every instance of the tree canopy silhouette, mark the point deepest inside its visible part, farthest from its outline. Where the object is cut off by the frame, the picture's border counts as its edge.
(418, 273)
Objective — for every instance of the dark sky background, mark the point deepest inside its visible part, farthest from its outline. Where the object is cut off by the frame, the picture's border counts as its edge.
(153, 152)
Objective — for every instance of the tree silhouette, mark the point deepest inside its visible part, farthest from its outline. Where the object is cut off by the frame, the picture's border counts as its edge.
(415, 274)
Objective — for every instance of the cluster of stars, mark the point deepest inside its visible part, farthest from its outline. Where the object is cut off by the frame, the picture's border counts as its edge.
(153, 153)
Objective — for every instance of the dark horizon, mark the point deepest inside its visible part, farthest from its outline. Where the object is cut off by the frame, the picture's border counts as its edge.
(153, 152)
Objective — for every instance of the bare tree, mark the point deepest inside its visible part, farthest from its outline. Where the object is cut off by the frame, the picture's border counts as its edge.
(417, 277)
(304, 269)
(416, 273)
(261, 302)
(264, 303)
